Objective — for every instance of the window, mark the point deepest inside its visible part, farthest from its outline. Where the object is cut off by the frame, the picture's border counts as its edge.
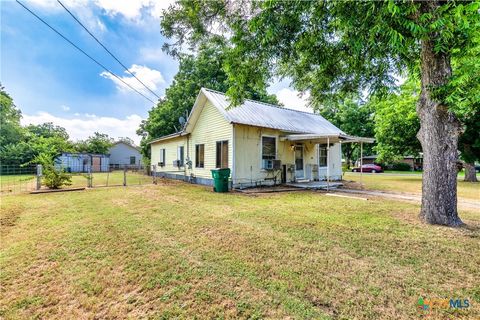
(322, 155)
(199, 155)
(222, 154)
(132, 160)
(180, 155)
(269, 148)
(162, 157)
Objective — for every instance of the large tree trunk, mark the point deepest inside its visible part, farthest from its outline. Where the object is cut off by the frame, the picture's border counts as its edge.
(470, 173)
(438, 134)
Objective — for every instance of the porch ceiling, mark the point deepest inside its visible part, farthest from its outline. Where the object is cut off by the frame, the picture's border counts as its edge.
(323, 138)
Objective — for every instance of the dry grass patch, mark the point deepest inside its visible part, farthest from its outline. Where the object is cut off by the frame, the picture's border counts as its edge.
(176, 250)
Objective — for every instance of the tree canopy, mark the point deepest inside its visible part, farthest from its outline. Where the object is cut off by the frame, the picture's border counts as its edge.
(354, 117)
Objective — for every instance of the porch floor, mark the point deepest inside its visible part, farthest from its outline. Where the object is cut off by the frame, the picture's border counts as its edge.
(315, 184)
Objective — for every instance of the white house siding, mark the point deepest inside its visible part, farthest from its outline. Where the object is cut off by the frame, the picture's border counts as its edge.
(335, 163)
(120, 154)
(170, 147)
(209, 128)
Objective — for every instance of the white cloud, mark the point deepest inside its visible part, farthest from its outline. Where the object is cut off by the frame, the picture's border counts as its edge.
(65, 108)
(132, 9)
(150, 77)
(81, 127)
(294, 100)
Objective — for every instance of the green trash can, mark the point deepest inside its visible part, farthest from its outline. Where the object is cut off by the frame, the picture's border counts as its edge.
(220, 179)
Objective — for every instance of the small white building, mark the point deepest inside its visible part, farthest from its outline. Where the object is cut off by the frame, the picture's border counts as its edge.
(261, 144)
(124, 154)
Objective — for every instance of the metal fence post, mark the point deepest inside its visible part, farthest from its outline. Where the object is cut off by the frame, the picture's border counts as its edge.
(125, 176)
(39, 176)
(90, 176)
(154, 174)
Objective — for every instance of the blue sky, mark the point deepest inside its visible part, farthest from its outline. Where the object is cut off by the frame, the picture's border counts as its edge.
(52, 81)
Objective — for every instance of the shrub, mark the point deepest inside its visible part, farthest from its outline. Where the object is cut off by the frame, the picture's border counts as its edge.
(401, 166)
(55, 178)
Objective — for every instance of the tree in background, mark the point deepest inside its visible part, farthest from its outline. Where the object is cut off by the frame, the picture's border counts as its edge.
(336, 47)
(397, 123)
(98, 143)
(126, 140)
(47, 130)
(11, 131)
(352, 116)
(205, 69)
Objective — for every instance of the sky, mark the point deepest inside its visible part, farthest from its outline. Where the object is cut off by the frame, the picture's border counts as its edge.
(51, 81)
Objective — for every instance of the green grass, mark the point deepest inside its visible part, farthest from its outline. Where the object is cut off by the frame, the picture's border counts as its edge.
(13, 184)
(407, 183)
(177, 250)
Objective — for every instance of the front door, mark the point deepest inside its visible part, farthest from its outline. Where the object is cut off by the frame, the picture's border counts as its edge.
(299, 171)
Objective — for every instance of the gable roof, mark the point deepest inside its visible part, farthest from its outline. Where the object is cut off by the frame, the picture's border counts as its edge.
(127, 144)
(259, 114)
(271, 116)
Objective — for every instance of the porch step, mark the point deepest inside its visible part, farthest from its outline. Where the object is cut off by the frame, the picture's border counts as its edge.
(302, 180)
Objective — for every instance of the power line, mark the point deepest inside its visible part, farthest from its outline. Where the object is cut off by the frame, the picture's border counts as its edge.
(86, 54)
(109, 52)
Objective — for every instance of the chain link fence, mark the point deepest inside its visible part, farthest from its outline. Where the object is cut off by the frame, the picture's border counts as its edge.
(24, 179)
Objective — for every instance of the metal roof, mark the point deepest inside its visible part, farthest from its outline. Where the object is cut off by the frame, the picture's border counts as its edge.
(266, 115)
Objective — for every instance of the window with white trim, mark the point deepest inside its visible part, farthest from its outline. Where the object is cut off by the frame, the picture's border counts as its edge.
(180, 155)
(161, 162)
(322, 155)
(199, 155)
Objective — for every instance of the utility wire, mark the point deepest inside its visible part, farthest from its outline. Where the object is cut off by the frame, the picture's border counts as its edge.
(109, 52)
(79, 49)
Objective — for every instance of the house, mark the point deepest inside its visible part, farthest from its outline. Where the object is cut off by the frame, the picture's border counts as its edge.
(261, 144)
(415, 163)
(124, 154)
(82, 162)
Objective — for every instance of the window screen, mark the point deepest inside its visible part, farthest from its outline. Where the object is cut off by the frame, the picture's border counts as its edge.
(322, 155)
(199, 155)
(269, 148)
(180, 155)
(162, 157)
(222, 154)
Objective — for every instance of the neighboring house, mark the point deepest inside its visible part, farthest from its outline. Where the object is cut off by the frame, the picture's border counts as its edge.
(259, 142)
(123, 154)
(415, 163)
(83, 162)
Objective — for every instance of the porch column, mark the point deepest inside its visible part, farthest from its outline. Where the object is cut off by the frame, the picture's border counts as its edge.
(328, 163)
(361, 164)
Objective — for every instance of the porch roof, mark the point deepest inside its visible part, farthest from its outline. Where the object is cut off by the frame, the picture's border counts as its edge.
(323, 137)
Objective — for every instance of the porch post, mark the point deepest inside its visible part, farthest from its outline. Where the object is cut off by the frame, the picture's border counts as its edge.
(361, 164)
(328, 163)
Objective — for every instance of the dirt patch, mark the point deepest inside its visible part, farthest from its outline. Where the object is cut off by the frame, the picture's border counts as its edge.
(9, 217)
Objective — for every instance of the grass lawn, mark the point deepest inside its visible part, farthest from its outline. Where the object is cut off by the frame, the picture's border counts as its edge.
(410, 183)
(17, 183)
(177, 250)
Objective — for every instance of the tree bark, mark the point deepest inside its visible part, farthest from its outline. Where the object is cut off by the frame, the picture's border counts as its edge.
(438, 135)
(470, 174)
